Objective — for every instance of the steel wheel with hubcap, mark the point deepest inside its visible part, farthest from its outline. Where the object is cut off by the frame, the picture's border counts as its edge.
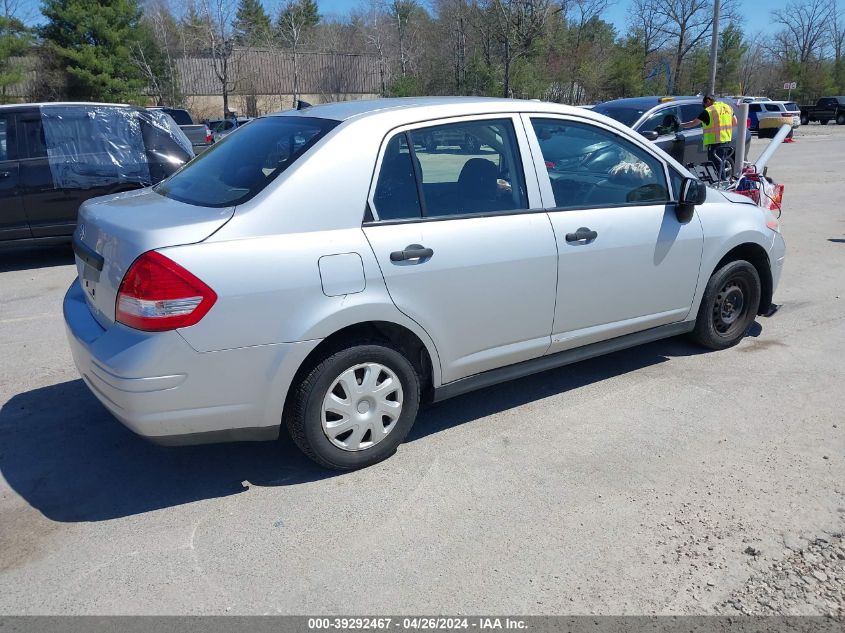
(355, 406)
(729, 305)
(362, 407)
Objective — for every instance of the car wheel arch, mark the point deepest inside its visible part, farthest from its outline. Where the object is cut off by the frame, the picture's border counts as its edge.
(402, 338)
(757, 256)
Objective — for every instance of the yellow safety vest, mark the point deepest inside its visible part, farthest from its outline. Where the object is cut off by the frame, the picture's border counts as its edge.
(720, 129)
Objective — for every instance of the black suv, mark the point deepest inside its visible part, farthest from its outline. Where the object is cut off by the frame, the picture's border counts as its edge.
(54, 157)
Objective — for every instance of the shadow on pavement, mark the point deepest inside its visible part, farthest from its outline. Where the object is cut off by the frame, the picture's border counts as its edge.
(63, 453)
(469, 407)
(836, 240)
(27, 258)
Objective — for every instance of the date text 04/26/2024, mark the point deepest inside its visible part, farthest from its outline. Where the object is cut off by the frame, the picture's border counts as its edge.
(416, 623)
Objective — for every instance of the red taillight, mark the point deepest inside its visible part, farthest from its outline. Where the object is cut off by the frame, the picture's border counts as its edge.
(209, 138)
(748, 123)
(157, 294)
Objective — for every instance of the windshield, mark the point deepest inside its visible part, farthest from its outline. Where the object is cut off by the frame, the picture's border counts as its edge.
(623, 114)
(240, 166)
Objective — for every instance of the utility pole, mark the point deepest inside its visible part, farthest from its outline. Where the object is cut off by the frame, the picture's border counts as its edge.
(714, 49)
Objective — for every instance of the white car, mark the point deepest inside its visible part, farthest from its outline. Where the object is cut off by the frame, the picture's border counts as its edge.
(324, 271)
(768, 116)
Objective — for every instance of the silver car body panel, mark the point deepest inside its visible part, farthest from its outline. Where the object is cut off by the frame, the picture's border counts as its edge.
(123, 226)
(479, 268)
(298, 263)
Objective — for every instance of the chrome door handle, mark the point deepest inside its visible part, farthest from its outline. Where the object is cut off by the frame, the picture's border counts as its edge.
(582, 235)
(412, 251)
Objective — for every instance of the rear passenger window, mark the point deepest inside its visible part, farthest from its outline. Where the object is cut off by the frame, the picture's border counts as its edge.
(471, 167)
(772, 108)
(396, 191)
(34, 144)
(589, 166)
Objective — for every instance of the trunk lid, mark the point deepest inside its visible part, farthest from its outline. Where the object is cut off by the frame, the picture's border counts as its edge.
(114, 230)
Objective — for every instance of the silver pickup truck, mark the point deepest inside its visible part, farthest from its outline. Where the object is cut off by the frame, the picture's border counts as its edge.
(198, 133)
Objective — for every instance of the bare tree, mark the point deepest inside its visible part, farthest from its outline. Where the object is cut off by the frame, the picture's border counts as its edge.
(649, 27)
(837, 36)
(687, 24)
(454, 17)
(805, 28)
(296, 19)
(375, 23)
(217, 17)
(159, 63)
(751, 64)
(401, 13)
(517, 24)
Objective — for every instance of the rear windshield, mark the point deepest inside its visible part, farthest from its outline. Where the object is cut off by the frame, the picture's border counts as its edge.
(180, 116)
(241, 165)
(625, 115)
(791, 107)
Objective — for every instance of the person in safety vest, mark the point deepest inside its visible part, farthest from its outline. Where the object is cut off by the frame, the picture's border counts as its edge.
(718, 121)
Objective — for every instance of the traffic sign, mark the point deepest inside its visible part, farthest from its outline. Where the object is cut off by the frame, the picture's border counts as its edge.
(790, 85)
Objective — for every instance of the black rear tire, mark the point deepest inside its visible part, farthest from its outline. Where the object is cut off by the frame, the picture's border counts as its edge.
(729, 306)
(305, 416)
(805, 120)
(840, 119)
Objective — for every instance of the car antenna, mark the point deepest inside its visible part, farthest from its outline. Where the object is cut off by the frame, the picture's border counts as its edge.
(301, 105)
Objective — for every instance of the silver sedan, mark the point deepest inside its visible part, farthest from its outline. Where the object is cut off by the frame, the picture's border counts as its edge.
(329, 269)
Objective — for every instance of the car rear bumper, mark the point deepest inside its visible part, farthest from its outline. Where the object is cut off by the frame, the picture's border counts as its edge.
(161, 388)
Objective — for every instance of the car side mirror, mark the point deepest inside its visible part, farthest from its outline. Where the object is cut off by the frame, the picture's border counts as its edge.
(693, 193)
(649, 135)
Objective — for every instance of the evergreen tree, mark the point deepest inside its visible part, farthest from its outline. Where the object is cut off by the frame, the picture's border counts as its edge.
(15, 39)
(252, 24)
(93, 38)
(296, 18)
(732, 47)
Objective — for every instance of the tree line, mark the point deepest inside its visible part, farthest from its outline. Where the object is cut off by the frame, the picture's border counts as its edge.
(557, 50)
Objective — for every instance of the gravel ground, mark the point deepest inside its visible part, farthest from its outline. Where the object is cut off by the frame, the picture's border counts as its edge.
(809, 579)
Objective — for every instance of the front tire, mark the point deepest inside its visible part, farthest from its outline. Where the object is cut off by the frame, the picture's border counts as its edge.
(355, 407)
(729, 306)
(840, 119)
(805, 120)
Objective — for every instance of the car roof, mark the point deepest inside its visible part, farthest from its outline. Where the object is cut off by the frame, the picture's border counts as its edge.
(416, 108)
(48, 104)
(649, 102)
(780, 103)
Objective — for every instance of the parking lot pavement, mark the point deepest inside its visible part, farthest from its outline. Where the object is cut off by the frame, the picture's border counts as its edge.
(657, 480)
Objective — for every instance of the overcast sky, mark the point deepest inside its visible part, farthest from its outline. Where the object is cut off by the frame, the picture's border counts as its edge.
(755, 17)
